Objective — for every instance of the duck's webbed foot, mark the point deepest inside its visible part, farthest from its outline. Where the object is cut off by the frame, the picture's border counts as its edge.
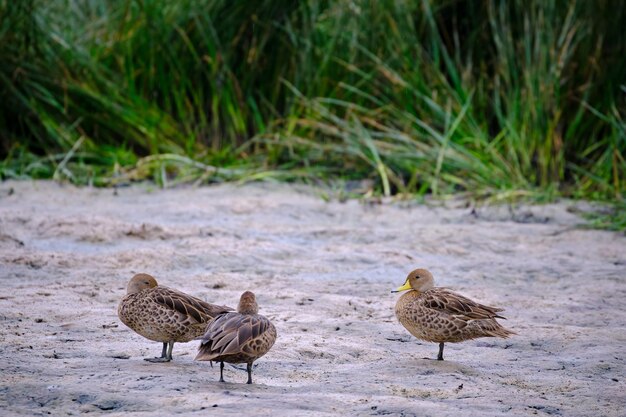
(157, 360)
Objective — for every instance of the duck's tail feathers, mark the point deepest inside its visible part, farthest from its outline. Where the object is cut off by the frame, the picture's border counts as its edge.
(492, 328)
(205, 354)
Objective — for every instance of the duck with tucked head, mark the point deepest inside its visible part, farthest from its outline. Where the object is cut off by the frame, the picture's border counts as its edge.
(439, 315)
(240, 337)
(163, 314)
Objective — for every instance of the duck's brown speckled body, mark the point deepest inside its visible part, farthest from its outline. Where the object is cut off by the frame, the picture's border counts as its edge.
(240, 337)
(163, 314)
(440, 315)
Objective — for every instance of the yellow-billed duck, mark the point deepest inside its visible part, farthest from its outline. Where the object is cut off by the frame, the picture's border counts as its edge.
(240, 337)
(163, 314)
(439, 315)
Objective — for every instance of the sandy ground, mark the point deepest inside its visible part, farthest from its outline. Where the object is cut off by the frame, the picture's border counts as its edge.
(322, 272)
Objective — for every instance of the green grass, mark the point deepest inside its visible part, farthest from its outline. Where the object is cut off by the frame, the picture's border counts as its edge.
(611, 217)
(494, 98)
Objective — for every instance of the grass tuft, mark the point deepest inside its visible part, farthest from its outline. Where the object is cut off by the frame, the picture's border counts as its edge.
(494, 98)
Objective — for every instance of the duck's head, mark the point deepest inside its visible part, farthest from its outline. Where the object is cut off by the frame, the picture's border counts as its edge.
(247, 304)
(419, 280)
(140, 282)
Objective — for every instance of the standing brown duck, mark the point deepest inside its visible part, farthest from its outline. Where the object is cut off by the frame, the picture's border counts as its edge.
(439, 315)
(240, 337)
(163, 314)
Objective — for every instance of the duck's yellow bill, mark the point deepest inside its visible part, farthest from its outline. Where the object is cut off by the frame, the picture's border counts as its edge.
(405, 287)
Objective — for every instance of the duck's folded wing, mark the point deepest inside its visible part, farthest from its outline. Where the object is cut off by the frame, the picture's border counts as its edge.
(455, 304)
(230, 332)
(186, 304)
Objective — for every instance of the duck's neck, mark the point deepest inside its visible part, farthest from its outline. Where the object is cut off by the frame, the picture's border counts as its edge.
(421, 290)
(411, 293)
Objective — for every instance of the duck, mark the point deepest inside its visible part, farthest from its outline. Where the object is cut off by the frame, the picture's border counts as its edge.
(436, 314)
(238, 337)
(164, 314)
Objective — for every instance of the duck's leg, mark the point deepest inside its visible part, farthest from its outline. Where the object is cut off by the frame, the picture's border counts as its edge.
(440, 356)
(249, 369)
(222, 371)
(164, 355)
(169, 351)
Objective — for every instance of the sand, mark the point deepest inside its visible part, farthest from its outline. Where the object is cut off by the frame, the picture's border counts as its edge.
(322, 271)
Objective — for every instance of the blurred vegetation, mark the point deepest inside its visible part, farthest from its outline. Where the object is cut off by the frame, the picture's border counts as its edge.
(495, 98)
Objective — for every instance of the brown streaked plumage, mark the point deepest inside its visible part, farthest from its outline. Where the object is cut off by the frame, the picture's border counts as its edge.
(240, 337)
(439, 315)
(163, 314)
